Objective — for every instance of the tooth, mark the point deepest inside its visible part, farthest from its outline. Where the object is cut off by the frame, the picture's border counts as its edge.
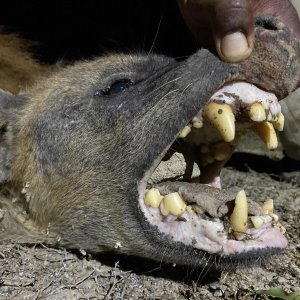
(239, 216)
(270, 116)
(153, 198)
(279, 123)
(222, 118)
(184, 132)
(257, 112)
(281, 228)
(190, 210)
(207, 159)
(274, 217)
(221, 151)
(266, 132)
(257, 221)
(198, 209)
(266, 219)
(198, 117)
(204, 148)
(198, 124)
(268, 207)
(172, 204)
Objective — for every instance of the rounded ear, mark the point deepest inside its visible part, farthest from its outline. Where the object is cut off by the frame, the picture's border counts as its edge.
(9, 108)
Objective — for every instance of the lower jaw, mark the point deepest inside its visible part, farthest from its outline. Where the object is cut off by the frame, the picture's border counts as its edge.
(212, 237)
(214, 234)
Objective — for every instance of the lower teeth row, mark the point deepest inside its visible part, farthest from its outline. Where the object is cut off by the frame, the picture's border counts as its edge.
(173, 204)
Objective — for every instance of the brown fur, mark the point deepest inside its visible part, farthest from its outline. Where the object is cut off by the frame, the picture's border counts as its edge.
(18, 68)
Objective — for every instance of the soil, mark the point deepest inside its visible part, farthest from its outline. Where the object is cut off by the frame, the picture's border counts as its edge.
(39, 272)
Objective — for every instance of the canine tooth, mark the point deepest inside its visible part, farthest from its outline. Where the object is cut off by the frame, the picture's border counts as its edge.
(257, 221)
(266, 132)
(221, 151)
(222, 118)
(239, 216)
(257, 112)
(153, 198)
(279, 123)
(268, 207)
(184, 132)
(198, 124)
(172, 204)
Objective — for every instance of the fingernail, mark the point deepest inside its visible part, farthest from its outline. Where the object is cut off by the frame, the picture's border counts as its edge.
(234, 47)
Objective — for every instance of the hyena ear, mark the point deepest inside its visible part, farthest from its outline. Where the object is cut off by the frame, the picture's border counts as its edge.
(10, 106)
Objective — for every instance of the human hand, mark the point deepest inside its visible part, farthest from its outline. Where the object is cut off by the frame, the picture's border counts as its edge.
(228, 25)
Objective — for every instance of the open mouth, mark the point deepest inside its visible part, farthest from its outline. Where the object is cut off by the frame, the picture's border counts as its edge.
(195, 210)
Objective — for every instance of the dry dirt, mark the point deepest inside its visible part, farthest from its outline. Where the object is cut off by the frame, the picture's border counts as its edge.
(39, 272)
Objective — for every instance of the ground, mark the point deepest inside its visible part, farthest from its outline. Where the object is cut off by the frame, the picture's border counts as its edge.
(39, 272)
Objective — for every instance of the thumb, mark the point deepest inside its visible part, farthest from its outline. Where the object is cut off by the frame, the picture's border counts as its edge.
(234, 29)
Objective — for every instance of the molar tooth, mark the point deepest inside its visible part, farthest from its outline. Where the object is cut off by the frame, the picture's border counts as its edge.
(266, 132)
(204, 148)
(268, 207)
(198, 124)
(190, 210)
(153, 198)
(257, 221)
(222, 118)
(184, 132)
(279, 123)
(221, 151)
(172, 204)
(257, 112)
(207, 159)
(198, 209)
(266, 219)
(239, 216)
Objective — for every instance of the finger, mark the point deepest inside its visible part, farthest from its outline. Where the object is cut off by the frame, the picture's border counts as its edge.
(234, 29)
(198, 15)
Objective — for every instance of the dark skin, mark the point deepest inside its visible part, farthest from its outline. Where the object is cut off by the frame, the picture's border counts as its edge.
(228, 25)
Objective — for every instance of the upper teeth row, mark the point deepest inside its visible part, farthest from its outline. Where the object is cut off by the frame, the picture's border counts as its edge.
(222, 118)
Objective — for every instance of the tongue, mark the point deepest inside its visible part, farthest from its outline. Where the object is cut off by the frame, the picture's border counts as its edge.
(216, 202)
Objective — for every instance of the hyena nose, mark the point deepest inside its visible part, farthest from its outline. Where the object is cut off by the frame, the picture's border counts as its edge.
(270, 29)
(269, 24)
